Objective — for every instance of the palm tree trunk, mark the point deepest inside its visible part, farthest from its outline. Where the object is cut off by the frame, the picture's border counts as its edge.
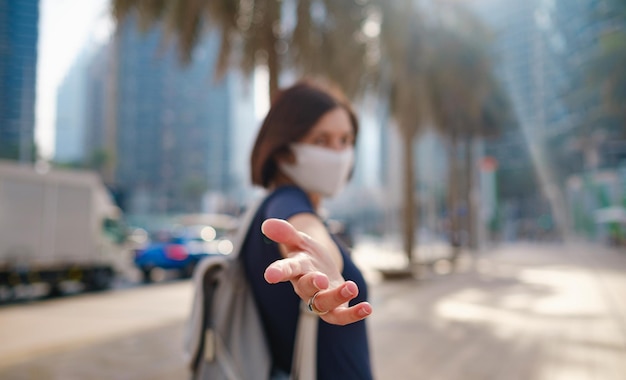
(453, 187)
(273, 61)
(470, 194)
(409, 199)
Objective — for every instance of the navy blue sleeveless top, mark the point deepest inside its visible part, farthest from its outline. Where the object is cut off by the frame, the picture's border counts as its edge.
(342, 351)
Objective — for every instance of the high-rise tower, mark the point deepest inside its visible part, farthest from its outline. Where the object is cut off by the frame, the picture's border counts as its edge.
(19, 30)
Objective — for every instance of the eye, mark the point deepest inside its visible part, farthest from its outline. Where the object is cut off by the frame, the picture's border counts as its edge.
(321, 140)
(347, 140)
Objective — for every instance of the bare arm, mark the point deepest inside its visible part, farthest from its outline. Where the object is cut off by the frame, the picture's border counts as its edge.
(312, 263)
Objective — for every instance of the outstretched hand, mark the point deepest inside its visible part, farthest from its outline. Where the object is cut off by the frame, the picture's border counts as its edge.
(310, 271)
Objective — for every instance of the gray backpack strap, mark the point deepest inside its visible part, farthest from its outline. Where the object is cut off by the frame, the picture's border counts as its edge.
(304, 361)
(244, 226)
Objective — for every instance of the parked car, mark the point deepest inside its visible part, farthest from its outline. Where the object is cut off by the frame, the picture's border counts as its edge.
(180, 248)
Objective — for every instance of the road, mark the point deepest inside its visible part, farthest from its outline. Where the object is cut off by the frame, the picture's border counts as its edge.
(526, 311)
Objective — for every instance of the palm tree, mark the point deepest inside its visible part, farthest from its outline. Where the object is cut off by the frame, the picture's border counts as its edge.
(466, 103)
(451, 103)
(323, 37)
(403, 68)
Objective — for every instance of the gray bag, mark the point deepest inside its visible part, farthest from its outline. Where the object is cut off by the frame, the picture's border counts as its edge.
(224, 337)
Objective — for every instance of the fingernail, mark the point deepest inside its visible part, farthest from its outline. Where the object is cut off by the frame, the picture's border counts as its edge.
(346, 292)
(316, 283)
(365, 311)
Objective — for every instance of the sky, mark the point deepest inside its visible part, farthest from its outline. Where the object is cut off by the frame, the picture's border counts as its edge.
(65, 28)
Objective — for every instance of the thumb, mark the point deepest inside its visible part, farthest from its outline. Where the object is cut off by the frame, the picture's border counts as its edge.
(282, 232)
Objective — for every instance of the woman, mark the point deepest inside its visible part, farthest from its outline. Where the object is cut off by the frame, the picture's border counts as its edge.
(304, 152)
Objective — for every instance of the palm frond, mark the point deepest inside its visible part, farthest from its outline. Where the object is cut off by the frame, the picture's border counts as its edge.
(224, 16)
(185, 22)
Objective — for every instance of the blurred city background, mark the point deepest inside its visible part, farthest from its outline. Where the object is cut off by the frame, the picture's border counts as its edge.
(493, 135)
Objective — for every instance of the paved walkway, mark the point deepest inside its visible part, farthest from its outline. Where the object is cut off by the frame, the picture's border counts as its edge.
(530, 312)
(523, 312)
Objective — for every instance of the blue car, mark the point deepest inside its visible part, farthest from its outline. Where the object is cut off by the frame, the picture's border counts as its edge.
(180, 251)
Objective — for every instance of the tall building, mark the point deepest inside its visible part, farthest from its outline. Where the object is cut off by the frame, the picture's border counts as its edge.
(530, 63)
(71, 116)
(166, 137)
(18, 61)
(592, 154)
(543, 46)
(98, 73)
(590, 137)
(178, 131)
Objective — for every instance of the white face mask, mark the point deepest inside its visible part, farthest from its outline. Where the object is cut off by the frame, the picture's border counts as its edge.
(319, 170)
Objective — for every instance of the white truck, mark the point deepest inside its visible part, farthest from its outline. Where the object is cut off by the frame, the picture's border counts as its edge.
(57, 226)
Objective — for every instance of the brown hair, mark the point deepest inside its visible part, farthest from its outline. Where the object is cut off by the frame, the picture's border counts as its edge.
(293, 114)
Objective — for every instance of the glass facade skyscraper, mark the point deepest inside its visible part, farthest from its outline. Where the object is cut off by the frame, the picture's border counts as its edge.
(543, 46)
(175, 124)
(19, 30)
(71, 113)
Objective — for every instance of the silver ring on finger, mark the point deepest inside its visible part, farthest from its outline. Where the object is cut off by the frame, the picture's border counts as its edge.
(311, 305)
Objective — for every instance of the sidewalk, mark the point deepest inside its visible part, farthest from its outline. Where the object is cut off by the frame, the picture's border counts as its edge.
(520, 312)
(523, 311)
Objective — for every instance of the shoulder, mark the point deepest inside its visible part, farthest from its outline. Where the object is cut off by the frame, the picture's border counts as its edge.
(287, 201)
(288, 192)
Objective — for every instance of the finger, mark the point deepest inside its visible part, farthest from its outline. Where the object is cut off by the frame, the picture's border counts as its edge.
(334, 298)
(287, 269)
(310, 283)
(282, 232)
(345, 315)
